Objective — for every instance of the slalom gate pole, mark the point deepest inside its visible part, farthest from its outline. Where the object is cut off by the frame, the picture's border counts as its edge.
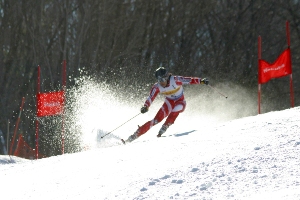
(16, 128)
(7, 137)
(218, 91)
(119, 126)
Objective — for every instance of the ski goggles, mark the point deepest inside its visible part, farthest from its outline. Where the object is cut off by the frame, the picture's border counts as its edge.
(162, 78)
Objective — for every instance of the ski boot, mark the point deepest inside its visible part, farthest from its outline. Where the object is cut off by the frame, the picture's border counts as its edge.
(162, 130)
(132, 137)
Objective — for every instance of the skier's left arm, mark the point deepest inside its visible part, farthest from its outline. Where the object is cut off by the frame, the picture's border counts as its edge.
(190, 80)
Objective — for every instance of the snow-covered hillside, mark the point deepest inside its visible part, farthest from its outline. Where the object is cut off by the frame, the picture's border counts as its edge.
(249, 158)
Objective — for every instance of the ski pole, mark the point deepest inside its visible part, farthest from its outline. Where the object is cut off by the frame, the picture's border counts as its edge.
(120, 126)
(217, 91)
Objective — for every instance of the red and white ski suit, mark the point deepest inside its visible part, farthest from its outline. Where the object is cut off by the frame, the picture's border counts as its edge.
(174, 101)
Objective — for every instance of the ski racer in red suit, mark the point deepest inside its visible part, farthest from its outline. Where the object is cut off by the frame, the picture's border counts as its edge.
(171, 87)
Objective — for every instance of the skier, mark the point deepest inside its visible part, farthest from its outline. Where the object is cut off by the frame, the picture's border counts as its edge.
(171, 87)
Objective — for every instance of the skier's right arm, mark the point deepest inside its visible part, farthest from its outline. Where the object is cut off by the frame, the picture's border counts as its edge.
(153, 93)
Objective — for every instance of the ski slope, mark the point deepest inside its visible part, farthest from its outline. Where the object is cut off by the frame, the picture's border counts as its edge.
(249, 158)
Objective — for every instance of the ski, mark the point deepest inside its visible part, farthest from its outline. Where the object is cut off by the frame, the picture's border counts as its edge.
(123, 141)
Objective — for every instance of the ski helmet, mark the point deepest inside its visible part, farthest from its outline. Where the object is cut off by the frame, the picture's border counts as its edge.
(161, 74)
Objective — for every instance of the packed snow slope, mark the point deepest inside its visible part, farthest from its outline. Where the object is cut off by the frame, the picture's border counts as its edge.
(249, 158)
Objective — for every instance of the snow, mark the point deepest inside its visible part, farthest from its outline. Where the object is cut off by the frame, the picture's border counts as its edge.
(254, 157)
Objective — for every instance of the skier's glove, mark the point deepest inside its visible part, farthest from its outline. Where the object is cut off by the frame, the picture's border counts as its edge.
(144, 109)
(204, 81)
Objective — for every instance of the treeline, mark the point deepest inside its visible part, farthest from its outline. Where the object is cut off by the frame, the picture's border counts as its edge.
(123, 42)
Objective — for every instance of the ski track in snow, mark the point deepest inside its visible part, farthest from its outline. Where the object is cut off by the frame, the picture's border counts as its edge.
(249, 158)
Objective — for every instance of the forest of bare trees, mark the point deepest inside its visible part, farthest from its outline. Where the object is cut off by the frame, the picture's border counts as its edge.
(125, 41)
